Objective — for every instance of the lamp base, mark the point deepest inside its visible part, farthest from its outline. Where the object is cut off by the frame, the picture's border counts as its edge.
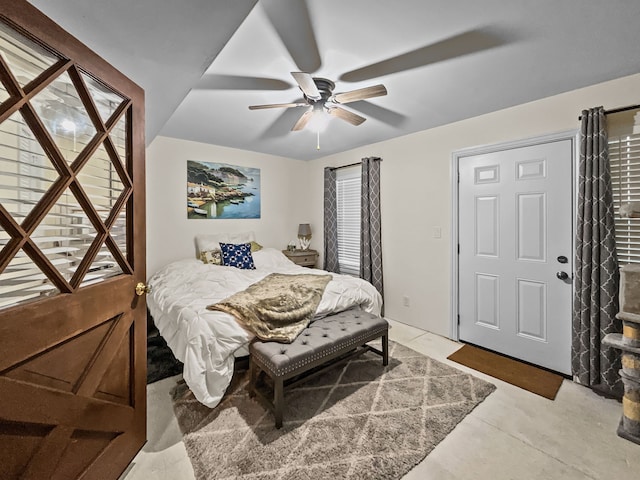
(304, 243)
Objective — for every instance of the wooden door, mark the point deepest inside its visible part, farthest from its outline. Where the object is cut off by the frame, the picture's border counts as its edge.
(515, 217)
(72, 249)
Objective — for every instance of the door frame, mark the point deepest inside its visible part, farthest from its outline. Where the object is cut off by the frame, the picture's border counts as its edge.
(459, 155)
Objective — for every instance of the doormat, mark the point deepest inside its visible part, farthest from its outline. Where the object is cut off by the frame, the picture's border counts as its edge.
(358, 421)
(528, 377)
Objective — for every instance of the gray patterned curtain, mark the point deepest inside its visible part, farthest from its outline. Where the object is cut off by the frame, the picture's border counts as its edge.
(596, 291)
(370, 229)
(330, 221)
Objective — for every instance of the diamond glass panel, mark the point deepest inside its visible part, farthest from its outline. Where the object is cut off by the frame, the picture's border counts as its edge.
(3, 93)
(4, 238)
(63, 114)
(65, 234)
(106, 100)
(22, 280)
(119, 138)
(100, 180)
(25, 171)
(103, 266)
(119, 232)
(26, 59)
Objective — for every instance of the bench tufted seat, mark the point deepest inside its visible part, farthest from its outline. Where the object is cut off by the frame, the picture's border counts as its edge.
(342, 335)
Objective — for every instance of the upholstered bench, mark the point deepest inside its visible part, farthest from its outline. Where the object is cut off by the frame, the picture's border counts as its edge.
(324, 344)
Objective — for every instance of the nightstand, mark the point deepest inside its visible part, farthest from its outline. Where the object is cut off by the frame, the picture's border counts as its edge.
(304, 258)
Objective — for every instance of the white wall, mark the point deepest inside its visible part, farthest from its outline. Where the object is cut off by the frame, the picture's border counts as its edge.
(416, 191)
(170, 234)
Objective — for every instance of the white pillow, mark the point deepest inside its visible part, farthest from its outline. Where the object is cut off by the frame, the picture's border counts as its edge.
(243, 237)
(211, 241)
(270, 258)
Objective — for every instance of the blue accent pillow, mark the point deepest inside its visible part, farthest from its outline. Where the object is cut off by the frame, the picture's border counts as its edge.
(237, 255)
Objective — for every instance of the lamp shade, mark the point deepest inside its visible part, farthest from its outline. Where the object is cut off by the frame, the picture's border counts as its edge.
(304, 230)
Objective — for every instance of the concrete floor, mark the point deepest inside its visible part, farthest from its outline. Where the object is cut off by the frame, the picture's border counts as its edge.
(513, 434)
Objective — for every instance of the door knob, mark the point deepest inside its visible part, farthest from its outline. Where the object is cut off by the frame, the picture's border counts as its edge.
(562, 275)
(562, 259)
(141, 289)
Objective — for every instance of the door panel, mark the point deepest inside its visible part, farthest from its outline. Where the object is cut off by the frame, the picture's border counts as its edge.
(532, 309)
(487, 226)
(487, 296)
(531, 226)
(73, 358)
(515, 219)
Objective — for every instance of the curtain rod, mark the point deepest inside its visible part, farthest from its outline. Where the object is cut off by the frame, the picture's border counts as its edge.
(354, 164)
(618, 110)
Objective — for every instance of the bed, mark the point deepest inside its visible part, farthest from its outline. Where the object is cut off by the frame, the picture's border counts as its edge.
(206, 341)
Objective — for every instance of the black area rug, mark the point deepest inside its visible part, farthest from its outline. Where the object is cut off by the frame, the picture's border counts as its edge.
(160, 360)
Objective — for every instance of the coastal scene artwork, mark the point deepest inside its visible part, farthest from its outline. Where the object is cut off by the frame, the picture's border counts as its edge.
(219, 190)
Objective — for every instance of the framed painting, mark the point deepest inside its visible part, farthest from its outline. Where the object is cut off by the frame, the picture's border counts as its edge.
(219, 190)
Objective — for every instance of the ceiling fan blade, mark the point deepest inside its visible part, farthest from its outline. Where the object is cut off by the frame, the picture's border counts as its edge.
(303, 120)
(385, 115)
(452, 47)
(277, 105)
(360, 94)
(307, 85)
(236, 82)
(346, 115)
(292, 22)
(281, 124)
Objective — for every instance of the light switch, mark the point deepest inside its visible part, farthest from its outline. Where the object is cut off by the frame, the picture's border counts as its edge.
(437, 232)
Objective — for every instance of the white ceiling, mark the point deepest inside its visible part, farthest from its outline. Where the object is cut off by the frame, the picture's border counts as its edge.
(441, 60)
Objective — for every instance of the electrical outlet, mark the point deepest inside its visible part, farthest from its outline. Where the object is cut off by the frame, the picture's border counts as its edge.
(405, 301)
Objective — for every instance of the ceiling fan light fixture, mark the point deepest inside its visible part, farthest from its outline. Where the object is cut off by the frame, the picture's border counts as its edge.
(319, 120)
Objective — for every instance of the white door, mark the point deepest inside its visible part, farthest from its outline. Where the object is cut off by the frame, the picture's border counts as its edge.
(515, 236)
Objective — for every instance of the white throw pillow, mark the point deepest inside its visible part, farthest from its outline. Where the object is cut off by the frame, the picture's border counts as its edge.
(211, 241)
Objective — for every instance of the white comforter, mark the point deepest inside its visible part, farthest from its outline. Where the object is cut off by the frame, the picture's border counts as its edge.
(205, 341)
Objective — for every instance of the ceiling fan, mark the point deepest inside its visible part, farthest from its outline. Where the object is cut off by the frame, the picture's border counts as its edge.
(319, 97)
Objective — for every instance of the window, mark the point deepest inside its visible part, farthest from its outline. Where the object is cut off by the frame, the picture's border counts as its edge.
(348, 198)
(624, 156)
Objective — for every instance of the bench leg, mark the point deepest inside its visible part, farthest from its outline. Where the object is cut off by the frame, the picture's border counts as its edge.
(385, 350)
(278, 400)
(253, 378)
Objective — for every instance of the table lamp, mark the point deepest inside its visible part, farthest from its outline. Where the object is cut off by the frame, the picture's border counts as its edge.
(304, 235)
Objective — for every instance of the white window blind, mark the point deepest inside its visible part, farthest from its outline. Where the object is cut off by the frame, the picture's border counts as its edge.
(624, 156)
(348, 199)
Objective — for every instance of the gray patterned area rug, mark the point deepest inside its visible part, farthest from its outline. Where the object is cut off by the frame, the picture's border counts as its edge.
(358, 421)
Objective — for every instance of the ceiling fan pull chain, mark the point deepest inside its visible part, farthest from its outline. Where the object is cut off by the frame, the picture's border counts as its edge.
(318, 144)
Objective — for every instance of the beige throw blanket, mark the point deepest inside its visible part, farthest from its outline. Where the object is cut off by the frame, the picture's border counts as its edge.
(278, 307)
